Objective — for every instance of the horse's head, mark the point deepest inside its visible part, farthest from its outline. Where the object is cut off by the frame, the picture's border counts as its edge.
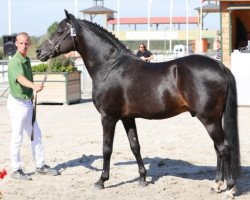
(62, 41)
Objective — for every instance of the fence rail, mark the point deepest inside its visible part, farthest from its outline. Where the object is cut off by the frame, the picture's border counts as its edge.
(3, 79)
(3, 71)
(86, 81)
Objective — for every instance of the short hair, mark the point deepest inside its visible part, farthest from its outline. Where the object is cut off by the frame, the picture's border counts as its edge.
(23, 34)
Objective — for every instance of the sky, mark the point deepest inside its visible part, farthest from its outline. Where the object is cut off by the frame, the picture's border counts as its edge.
(35, 16)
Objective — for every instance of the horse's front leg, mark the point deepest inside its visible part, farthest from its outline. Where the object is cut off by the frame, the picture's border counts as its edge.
(108, 124)
(130, 127)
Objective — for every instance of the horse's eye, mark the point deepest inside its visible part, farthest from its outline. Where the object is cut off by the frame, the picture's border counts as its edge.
(59, 32)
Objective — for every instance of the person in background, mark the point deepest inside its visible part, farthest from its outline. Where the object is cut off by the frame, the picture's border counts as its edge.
(20, 108)
(144, 54)
(218, 54)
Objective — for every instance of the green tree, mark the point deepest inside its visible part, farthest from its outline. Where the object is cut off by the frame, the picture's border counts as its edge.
(34, 40)
(52, 28)
(1, 41)
(1, 53)
(42, 39)
(1, 48)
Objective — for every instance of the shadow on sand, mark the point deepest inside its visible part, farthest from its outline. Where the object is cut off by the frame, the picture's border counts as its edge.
(85, 161)
(160, 167)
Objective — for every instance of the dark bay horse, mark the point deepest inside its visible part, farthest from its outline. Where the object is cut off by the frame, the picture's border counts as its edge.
(126, 87)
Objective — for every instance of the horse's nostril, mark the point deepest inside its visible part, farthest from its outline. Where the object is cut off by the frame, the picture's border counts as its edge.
(38, 51)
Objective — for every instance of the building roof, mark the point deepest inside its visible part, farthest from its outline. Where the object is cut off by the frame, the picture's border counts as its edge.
(97, 10)
(211, 7)
(154, 20)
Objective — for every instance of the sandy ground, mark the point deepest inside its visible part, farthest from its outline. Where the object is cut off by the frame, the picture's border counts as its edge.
(177, 152)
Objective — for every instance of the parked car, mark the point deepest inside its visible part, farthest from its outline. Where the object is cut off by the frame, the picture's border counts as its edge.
(181, 50)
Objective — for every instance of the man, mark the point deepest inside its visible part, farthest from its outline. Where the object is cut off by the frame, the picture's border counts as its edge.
(20, 108)
(144, 54)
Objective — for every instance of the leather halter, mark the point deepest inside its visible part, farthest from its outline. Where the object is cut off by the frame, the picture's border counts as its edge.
(57, 46)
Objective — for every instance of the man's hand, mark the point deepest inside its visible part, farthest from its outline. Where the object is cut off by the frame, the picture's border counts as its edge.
(37, 87)
(26, 83)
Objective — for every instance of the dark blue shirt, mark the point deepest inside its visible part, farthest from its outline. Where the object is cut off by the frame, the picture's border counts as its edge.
(144, 54)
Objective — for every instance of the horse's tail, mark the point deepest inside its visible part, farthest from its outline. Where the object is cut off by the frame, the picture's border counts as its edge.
(231, 125)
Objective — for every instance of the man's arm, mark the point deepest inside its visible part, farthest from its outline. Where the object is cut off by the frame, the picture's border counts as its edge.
(26, 83)
(150, 56)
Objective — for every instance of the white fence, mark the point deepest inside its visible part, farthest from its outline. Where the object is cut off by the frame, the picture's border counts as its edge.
(3, 78)
(3, 71)
(241, 70)
(86, 81)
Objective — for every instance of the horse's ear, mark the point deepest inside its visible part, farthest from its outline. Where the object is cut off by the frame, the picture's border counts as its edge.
(67, 14)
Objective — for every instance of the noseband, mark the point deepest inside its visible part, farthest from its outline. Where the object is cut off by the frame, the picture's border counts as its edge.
(57, 47)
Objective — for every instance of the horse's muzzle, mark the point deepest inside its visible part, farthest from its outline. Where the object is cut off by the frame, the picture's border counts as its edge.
(42, 57)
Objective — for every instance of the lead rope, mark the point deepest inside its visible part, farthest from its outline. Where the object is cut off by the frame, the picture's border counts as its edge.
(4, 92)
(35, 100)
(72, 34)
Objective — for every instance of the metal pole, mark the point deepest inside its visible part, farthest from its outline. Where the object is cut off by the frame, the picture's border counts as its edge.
(76, 16)
(170, 24)
(148, 42)
(187, 31)
(76, 13)
(201, 21)
(9, 15)
(118, 19)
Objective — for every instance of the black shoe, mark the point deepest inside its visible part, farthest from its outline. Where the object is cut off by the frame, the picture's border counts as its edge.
(20, 175)
(46, 170)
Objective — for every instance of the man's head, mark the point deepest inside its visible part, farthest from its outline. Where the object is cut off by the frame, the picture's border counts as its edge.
(23, 43)
(218, 44)
(142, 47)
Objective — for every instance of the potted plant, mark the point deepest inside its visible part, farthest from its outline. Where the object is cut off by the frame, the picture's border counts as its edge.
(63, 83)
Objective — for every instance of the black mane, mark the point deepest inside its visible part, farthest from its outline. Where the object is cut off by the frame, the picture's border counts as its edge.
(109, 36)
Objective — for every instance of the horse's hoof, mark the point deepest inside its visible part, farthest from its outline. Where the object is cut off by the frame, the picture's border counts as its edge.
(215, 191)
(216, 187)
(99, 185)
(225, 197)
(143, 183)
(229, 194)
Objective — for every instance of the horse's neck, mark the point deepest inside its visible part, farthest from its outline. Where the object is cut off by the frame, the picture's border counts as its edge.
(99, 70)
(96, 53)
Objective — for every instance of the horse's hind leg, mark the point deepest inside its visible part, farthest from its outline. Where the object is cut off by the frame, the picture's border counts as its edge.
(219, 178)
(130, 127)
(222, 148)
(108, 124)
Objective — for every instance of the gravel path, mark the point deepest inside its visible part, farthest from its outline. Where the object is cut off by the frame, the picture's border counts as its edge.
(177, 152)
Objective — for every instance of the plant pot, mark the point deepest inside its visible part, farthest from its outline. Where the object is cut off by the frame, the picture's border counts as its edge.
(60, 87)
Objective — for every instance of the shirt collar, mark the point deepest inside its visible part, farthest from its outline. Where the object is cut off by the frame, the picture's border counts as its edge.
(22, 59)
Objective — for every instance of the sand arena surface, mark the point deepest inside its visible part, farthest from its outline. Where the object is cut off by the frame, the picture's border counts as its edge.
(177, 152)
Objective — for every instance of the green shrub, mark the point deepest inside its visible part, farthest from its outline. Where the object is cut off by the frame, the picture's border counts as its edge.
(58, 64)
(1, 54)
(40, 68)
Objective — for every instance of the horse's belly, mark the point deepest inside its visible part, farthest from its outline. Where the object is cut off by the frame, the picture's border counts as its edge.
(153, 111)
